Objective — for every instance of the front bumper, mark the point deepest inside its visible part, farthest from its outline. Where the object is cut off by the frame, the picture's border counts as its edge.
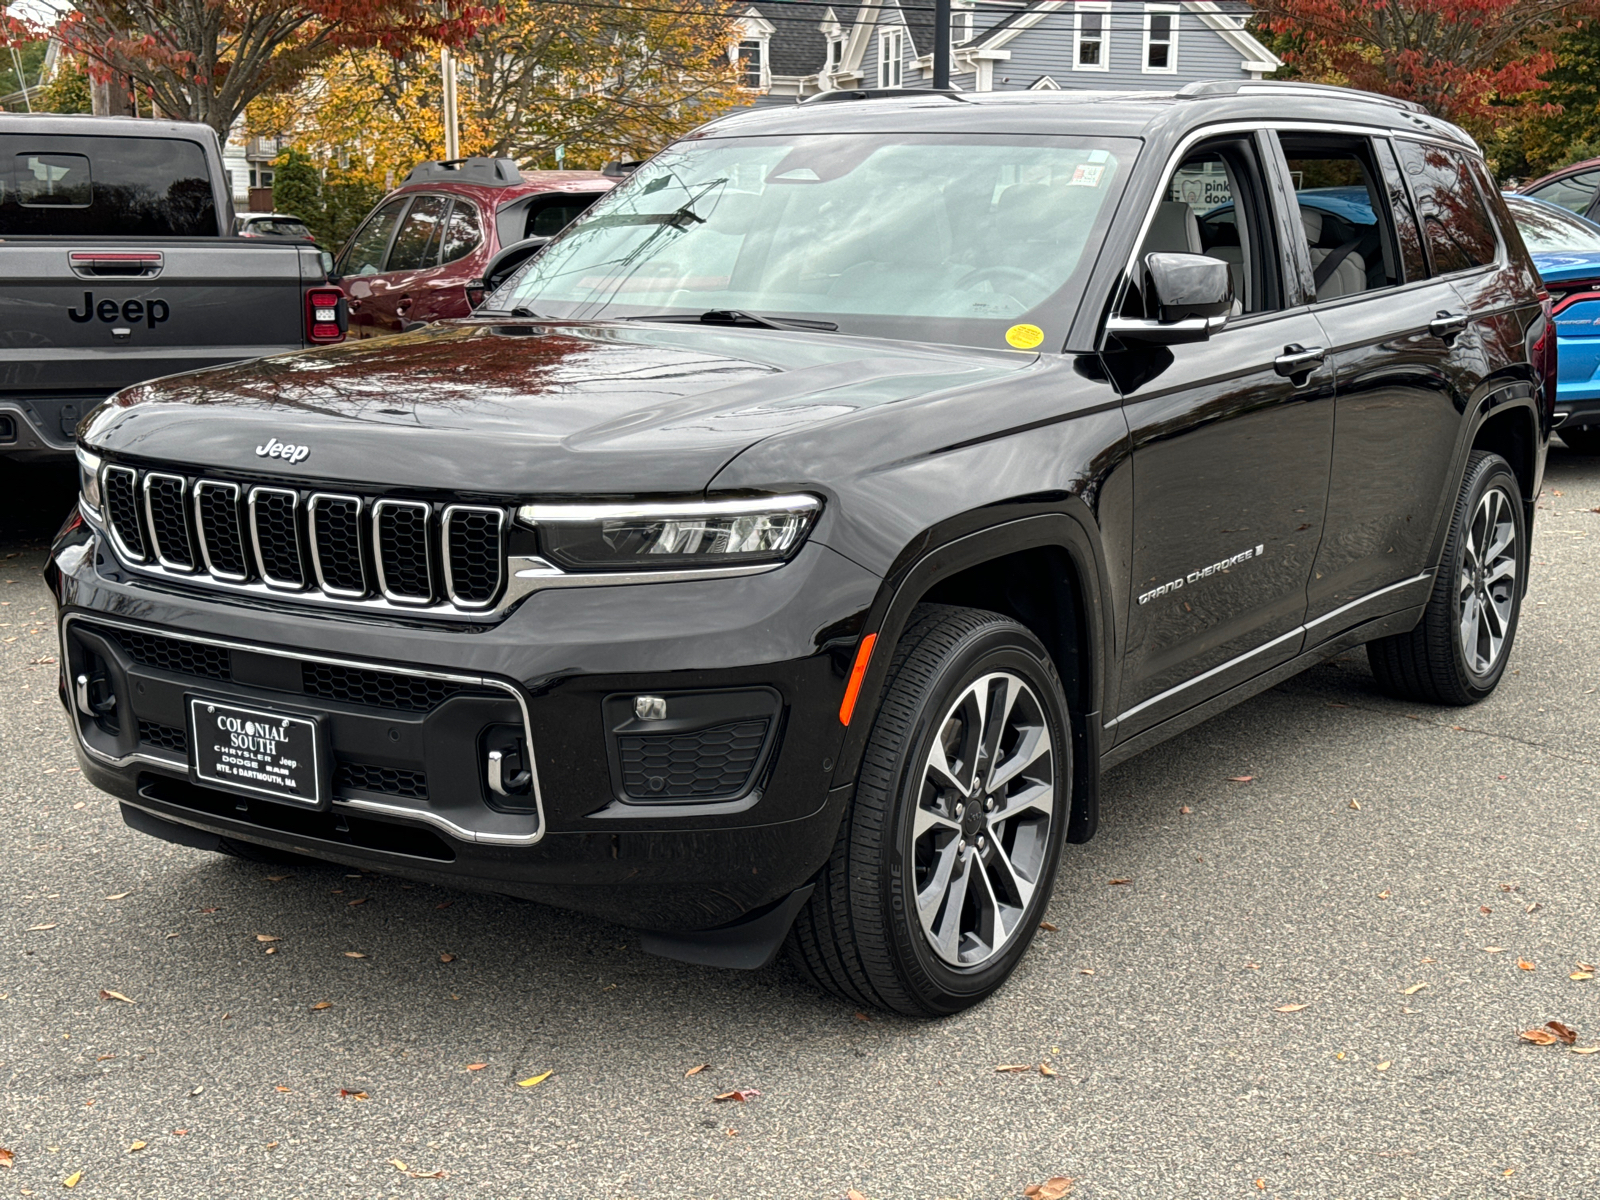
(409, 708)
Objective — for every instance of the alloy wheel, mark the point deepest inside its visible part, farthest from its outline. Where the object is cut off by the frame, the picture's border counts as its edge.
(1488, 581)
(982, 824)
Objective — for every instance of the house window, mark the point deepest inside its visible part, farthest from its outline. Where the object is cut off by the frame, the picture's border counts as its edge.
(835, 54)
(891, 43)
(1091, 37)
(752, 64)
(960, 23)
(1160, 38)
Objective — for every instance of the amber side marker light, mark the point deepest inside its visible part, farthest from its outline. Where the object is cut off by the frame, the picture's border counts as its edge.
(852, 689)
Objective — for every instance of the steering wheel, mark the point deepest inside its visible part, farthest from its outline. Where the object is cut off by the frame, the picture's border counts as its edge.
(992, 274)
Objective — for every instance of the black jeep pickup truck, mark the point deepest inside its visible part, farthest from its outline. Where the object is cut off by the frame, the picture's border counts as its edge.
(782, 555)
(119, 266)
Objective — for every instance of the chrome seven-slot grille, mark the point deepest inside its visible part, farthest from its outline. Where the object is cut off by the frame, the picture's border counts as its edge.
(343, 546)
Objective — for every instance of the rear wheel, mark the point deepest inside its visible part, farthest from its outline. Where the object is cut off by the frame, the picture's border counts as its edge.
(1581, 439)
(947, 855)
(1458, 651)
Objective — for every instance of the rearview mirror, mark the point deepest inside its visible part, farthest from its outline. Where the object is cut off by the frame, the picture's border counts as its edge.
(1192, 295)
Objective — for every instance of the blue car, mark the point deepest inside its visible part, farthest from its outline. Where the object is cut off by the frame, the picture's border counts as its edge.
(1566, 249)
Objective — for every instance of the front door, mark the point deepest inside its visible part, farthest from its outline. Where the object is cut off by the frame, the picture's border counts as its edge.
(1232, 440)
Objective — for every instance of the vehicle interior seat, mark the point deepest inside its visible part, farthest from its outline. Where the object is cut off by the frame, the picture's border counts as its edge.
(1337, 270)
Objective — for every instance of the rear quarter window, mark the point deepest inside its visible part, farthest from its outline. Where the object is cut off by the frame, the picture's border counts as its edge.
(84, 185)
(1456, 225)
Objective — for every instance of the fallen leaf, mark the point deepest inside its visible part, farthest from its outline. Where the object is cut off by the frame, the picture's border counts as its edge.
(1261, 1185)
(137, 1146)
(354, 954)
(1485, 909)
(1185, 810)
(860, 1016)
(1524, 965)
(120, 896)
(346, 1092)
(180, 1133)
(852, 1194)
(1047, 927)
(1586, 966)
(271, 950)
(1384, 1065)
(429, 1175)
(1413, 989)
(281, 1088)
(1581, 976)
(1291, 1007)
(1410, 1012)
(398, 1165)
(105, 1057)
(41, 928)
(1530, 908)
(276, 878)
(8, 1159)
(1240, 778)
(446, 904)
(1085, 970)
(362, 900)
(1053, 1188)
(476, 1066)
(270, 1146)
(1047, 1071)
(320, 1005)
(1356, 804)
(1586, 1049)
(1384, 895)
(1539, 1037)
(1116, 882)
(105, 995)
(697, 1070)
(71, 1181)
(211, 910)
(1252, 966)
(1507, 887)
(1566, 1033)
(535, 1081)
(730, 1133)
(268, 937)
(1493, 949)
(1015, 1067)
(447, 958)
(739, 1094)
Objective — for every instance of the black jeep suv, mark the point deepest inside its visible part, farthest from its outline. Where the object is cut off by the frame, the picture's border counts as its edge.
(784, 552)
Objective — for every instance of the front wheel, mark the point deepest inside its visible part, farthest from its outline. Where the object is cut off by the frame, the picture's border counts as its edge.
(1458, 651)
(947, 855)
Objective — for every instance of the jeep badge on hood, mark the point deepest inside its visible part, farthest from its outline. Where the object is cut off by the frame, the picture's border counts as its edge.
(289, 453)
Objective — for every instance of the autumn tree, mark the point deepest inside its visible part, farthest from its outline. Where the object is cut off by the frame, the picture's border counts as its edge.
(599, 79)
(66, 91)
(206, 60)
(1479, 63)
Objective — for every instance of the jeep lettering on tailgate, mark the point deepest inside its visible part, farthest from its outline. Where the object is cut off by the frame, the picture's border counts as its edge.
(151, 312)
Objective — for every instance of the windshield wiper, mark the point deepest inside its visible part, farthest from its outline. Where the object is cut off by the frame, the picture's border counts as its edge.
(520, 310)
(737, 316)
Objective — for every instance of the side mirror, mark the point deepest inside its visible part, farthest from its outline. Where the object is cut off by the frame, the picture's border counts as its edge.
(327, 263)
(502, 265)
(1193, 295)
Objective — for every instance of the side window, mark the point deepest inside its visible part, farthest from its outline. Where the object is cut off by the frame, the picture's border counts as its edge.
(416, 245)
(1574, 192)
(1214, 204)
(1455, 223)
(364, 254)
(550, 215)
(1405, 220)
(1344, 215)
(461, 232)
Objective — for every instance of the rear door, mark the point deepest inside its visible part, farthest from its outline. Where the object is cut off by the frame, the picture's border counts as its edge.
(413, 263)
(441, 293)
(1232, 439)
(1389, 327)
(362, 260)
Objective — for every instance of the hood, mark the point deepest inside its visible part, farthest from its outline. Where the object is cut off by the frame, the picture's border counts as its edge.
(1562, 266)
(527, 409)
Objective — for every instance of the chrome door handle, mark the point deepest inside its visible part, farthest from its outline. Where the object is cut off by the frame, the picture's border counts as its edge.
(1299, 360)
(1447, 325)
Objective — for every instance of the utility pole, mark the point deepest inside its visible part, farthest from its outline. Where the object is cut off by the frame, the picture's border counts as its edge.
(941, 45)
(452, 135)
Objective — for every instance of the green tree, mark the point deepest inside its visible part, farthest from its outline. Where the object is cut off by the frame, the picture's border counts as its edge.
(297, 189)
(1569, 132)
(66, 91)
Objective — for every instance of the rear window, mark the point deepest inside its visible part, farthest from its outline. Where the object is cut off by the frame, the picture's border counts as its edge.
(549, 215)
(80, 185)
(1455, 221)
(277, 227)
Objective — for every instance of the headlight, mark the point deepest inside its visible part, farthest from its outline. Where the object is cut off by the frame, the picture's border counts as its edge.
(89, 479)
(685, 533)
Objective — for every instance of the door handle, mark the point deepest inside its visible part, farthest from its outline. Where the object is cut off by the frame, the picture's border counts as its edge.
(1299, 360)
(354, 304)
(1447, 325)
(405, 303)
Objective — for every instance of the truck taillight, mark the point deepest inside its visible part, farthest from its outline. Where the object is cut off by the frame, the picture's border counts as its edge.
(326, 316)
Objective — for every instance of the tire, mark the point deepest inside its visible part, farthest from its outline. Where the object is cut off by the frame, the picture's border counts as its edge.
(1431, 663)
(862, 935)
(1581, 439)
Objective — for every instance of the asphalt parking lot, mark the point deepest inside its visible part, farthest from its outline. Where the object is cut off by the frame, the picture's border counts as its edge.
(1418, 884)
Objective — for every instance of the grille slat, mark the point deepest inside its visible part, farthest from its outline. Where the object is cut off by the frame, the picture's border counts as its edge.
(400, 537)
(222, 549)
(168, 519)
(419, 554)
(120, 488)
(275, 532)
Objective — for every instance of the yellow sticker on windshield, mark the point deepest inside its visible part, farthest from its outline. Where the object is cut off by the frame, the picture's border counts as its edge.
(1024, 337)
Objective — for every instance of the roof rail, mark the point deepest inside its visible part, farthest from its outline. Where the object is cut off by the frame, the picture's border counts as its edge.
(1236, 87)
(838, 94)
(488, 172)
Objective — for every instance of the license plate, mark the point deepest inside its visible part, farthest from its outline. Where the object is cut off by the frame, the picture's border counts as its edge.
(254, 751)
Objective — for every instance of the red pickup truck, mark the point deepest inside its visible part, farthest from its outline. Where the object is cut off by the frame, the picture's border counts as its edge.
(420, 254)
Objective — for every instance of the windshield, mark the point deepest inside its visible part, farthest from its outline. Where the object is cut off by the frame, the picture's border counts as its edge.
(936, 238)
(1546, 231)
